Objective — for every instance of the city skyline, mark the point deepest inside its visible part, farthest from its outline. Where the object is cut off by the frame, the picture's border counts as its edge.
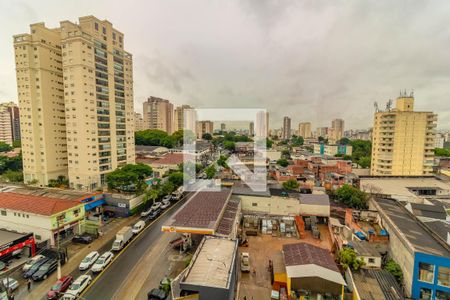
(345, 77)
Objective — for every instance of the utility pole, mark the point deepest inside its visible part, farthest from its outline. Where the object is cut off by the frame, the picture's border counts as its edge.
(58, 221)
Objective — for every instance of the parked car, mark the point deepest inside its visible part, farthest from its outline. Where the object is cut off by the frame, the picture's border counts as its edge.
(165, 204)
(59, 287)
(46, 269)
(154, 214)
(77, 287)
(146, 212)
(32, 261)
(166, 198)
(102, 262)
(2, 265)
(138, 227)
(156, 205)
(82, 239)
(245, 262)
(10, 283)
(157, 294)
(88, 261)
(33, 269)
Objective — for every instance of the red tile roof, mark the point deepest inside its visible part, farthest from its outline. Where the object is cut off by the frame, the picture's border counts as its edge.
(305, 254)
(35, 204)
(170, 159)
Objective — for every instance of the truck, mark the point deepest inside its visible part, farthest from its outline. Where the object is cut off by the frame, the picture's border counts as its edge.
(123, 236)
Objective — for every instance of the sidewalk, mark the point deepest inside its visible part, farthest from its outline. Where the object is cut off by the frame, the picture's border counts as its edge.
(76, 254)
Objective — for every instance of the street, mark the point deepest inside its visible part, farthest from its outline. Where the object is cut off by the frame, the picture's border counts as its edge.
(110, 281)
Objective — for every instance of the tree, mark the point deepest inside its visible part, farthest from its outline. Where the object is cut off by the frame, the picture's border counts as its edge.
(222, 161)
(394, 268)
(210, 171)
(343, 141)
(60, 181)
(364, 161)
(4, 147)
(150, 137)
(129, 178)
(229, 145)
(351, 196)
(297, 141)
(17, 144)
(176, 178)
(360, 149)
(207, 136)
(166, 189)
(442, 152)
(348, 259)
(290, 184)
(13, 176)
(152, 194)
(283, 162)
(269, 143)
(285, 154)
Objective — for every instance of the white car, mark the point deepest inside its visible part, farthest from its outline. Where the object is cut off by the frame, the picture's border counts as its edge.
(167, 198)
(88, 261)
(102, 262)
(138, 227)
(31, 262)
(165, 204)
(155, 206)
(10, 283)
(146, 212)
(245, 262)
(77, 287)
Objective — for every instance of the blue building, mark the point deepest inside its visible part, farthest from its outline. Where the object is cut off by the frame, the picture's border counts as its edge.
(421, 252)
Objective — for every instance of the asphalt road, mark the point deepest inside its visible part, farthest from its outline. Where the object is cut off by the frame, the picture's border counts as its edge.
(107, 282)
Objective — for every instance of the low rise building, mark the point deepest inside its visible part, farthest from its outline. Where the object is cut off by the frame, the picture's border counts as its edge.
(332, 150)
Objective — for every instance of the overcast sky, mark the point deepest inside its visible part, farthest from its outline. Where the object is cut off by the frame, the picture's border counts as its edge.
(310, 60)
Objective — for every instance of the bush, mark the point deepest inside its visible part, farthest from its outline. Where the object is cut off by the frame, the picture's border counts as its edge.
(351, 196)
(291, 184)
(283, 162)
(394, 268)
(348, 259)
(13, 176)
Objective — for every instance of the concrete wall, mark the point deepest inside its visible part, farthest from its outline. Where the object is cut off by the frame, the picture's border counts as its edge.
(368, 264)
(314, 210)
(273, 205)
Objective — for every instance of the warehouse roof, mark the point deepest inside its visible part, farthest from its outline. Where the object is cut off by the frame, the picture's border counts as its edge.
(35, 204)
(212, 263)
(315, 199)
(201, 213)
(59, 194)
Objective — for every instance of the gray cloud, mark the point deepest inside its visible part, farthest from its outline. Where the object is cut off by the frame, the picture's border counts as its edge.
(310, 60)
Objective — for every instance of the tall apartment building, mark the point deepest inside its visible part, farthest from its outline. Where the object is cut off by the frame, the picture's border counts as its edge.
(262, 124)
(75, 86)
(304, 130)
(251, 129)
(204, 127)
(223, 127)
(403, 140)
(322, 131)
(178, 120)
(286, 135)
(158, 114)
(138, 122)
(337, 129)
(9, 122)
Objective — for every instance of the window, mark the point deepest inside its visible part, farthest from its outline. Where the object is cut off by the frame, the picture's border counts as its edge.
(104, 30)
(37, 237)
(426, 272)
(425, 294)
(96, 26)
(441, 295)
(254, 204)
(3, 212)
(371, 260)
(444, 276)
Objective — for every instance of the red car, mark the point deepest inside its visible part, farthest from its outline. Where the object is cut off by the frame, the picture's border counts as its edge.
(59, 287)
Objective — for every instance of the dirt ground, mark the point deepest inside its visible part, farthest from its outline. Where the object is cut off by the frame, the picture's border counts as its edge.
(255, 285)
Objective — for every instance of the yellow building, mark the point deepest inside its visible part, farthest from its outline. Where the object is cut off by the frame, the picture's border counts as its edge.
(403, 140)
(75, 86)
(138, 122)
(337, 130)
(304, 130)
(158, 114)
(204, 127)
(178, 119)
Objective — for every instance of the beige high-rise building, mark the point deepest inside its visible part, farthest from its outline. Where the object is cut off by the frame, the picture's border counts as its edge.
(304, 130)
(158, 114)
(75, 85)
(204, 127)
(262, 124)
(178, 120)
(337, 130)
(286, 135)
(403, 140)
(251, 129)
(9, 123)
(138, 122)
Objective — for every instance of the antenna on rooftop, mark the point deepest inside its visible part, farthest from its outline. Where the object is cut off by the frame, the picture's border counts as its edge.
(375, 104)
(389, 105)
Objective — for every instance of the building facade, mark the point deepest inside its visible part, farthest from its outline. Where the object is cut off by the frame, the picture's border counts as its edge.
(304, 130)
(332, 150)
(75, 85)
(204, 127)
(158, 114)
(322, 132)
(403, 140)
(178, 119)
(9, 122)
(286, 135)
(262, 124)
(138, 122)
(337, 129)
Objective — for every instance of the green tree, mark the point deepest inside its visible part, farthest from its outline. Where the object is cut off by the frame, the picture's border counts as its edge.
(290, 184)
(283, 162)
(4, 147)
(129, 178)
(229, 145)
(151, 137)
(285, 154)
(442, 152)
(351, 196)
(207, 136)
(151, 195)
(176, 178)
(210, 171)
(222, 161)
(364, 161)
(166, 189)
(343, 141)
(394, 268)
(13, 176)
(297, 141)
(348, 259)
(60, 181)
(269, 143)
(17, 144)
